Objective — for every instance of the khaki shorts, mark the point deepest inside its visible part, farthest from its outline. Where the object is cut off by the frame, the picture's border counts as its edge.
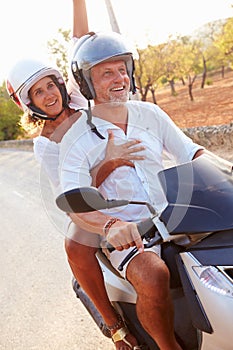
(81, 236)
(116, 257)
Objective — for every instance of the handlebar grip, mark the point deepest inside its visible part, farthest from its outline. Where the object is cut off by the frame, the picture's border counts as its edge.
(110, 247)
(143, 228)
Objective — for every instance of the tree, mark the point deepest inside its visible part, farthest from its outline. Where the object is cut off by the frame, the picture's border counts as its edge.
(173, 60)
(10, 115)
(208, 51)
(191, 62)
(58, 49)
(224, 43)
(149, 69)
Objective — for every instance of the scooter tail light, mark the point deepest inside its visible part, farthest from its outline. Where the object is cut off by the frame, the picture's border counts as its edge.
(214, 279)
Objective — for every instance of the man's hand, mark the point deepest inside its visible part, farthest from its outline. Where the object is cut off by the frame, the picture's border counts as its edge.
(123, 235)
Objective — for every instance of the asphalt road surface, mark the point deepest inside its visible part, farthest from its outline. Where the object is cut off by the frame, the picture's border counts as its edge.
(38, 308)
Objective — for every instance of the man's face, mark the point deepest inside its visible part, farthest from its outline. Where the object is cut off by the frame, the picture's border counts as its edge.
(111, 82)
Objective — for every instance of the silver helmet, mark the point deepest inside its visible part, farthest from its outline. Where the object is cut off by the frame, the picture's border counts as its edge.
(94, 48)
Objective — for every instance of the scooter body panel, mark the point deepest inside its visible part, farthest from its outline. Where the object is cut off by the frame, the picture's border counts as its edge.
(218, 309)
(118, 289)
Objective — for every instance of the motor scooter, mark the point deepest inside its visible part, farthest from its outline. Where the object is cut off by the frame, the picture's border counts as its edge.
(195, 231)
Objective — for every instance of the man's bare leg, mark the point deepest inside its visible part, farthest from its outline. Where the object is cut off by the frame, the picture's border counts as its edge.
(150, 277)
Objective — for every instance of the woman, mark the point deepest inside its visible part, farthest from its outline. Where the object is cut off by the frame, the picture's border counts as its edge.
(40, 91)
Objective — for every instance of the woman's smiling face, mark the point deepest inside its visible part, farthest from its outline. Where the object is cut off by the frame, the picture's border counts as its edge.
(46, 96)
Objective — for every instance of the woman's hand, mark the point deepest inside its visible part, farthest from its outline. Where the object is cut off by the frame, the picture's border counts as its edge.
(125, 151)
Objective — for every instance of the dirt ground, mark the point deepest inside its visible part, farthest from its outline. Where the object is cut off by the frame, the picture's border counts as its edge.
(212, 105)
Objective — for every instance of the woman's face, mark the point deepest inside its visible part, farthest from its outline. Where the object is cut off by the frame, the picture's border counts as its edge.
(46, 96)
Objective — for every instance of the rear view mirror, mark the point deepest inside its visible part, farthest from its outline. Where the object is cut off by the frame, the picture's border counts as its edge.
(85, 199)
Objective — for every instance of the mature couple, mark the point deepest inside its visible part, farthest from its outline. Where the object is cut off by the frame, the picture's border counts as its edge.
(115, 145)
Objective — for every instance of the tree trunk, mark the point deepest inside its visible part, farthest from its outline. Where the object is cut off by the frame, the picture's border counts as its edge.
(153, 96)
(223, 72)
(204, 73)
(182, 81)
(144, 94)
(172, 85)
(190, 87)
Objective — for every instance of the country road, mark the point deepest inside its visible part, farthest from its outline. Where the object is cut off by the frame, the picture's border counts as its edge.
(38, 308)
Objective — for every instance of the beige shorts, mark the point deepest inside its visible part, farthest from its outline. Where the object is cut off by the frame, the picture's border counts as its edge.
(116, 257)
(94, 240)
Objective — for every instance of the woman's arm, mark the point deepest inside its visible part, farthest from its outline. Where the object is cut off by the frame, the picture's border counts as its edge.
(80, 28)
(199, 153)
(80, 22)
(116, 156)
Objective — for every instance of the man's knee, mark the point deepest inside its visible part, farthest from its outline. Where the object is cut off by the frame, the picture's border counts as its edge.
(72, 249)
(78, 253)
(147, 271)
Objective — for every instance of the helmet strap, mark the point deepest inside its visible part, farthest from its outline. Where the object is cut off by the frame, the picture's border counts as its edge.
(91, 124)
(37, 115)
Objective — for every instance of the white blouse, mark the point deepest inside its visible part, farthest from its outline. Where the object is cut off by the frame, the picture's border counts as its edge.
(46, 152)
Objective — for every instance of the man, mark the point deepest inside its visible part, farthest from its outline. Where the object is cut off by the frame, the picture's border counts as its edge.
(103, 66)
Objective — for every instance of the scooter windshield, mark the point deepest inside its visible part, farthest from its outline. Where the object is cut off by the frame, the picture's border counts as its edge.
(199, 195)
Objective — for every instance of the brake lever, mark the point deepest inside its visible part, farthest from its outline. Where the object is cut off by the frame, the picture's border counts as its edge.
(144, 228)
(157, 239)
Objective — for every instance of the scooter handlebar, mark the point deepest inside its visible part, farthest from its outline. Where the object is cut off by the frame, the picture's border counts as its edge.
(144, 228)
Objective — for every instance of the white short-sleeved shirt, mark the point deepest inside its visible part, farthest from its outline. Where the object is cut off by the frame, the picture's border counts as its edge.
(81, 150)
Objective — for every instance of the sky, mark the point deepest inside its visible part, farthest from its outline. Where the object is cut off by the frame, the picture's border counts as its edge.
(27, 25)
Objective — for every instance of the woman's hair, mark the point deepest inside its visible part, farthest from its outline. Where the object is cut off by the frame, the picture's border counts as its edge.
(30, 124)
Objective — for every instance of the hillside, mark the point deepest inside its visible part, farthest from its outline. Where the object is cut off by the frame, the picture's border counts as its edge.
(212, 105)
